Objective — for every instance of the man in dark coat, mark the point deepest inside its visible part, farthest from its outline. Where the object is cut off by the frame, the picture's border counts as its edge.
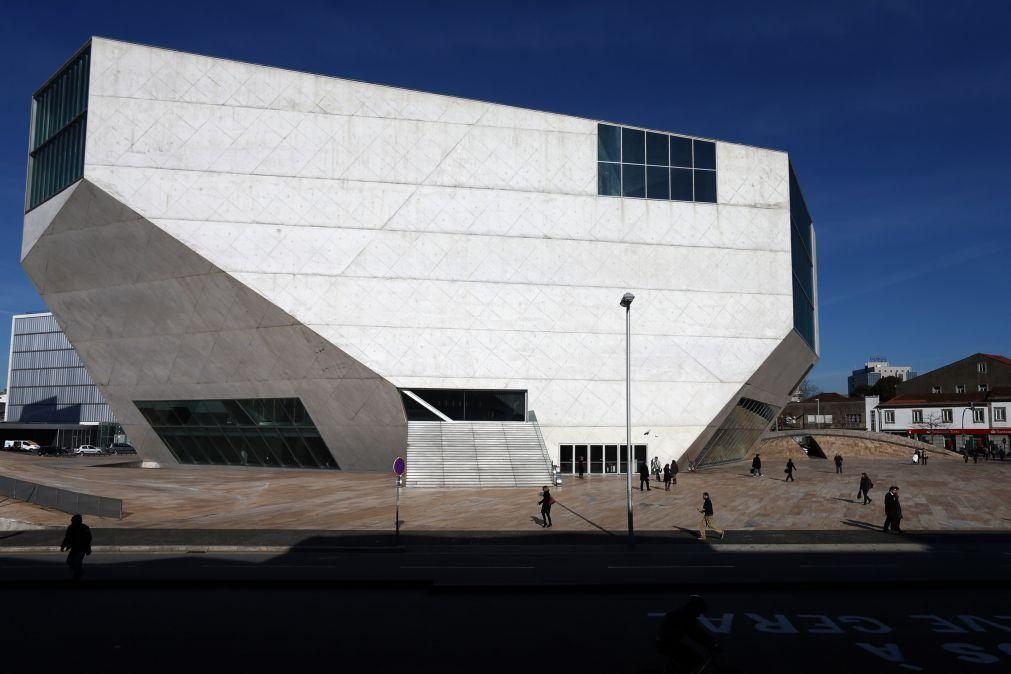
(674, 471)
(643, 476)
(790, 467)
(78, 541)
(893, 511)
(756, 466)
(838, 463)
(547, 500)
(865, 488)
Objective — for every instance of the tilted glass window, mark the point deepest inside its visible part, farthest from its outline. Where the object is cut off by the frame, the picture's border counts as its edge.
(738, 433)
(269, 432)
(466, 405)
(650, 165)
(59, 123)
(802, 255)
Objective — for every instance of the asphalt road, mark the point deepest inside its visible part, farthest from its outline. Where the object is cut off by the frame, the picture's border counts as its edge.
(277, 629)
(785, 565)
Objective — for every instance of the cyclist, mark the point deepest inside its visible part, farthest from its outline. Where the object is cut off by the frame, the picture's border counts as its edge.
(684, 643)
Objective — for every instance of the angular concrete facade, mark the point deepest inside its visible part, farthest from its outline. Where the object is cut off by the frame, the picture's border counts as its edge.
(244, 231)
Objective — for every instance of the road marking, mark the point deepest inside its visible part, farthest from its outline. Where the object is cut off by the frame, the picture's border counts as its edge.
(466, 567)
(676, 566)
(844, 566)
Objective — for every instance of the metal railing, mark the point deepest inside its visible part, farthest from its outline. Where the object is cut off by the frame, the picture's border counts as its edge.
(555, 474)
(60, 499)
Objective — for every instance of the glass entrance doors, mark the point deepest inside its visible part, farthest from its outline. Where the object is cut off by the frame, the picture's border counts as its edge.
(597, 459)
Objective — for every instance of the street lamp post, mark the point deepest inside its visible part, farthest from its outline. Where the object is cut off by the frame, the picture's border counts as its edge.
(817, 414)
(626, 301)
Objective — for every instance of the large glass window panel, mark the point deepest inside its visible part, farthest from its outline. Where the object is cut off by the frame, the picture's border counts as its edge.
(495, 406)
(633, 146)
(319, 450)
(597, 459)
(415, 411)
(610, 458)
(705, 154)
(608, 143)
(581, 456)
(279, 448)
(640, 453)
(658, 182)
(657, 149)
(565, 463)
(633, 180)
(298, 448)
(608, 179)
(705, 186)
(680, 151)
(59, 111)
(248, 432)
(224, 448)
(681, 184)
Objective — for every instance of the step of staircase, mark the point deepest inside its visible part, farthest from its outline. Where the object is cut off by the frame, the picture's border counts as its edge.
(476, 454)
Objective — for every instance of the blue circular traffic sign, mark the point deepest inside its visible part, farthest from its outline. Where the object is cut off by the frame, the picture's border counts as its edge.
(399, 465)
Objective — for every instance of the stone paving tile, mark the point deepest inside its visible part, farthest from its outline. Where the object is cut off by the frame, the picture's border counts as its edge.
(944, 494)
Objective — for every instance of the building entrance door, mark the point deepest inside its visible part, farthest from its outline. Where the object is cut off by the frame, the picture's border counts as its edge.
(597, 459)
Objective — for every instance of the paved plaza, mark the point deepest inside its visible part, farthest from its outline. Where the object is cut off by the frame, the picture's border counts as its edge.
(946, 494)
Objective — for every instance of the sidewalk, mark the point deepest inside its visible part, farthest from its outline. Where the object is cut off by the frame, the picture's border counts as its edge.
(299, 540)
(942, 496)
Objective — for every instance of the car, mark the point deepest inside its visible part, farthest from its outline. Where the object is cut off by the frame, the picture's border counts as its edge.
(121, 448)
(51, 450)
(21, 446)
(88, 449)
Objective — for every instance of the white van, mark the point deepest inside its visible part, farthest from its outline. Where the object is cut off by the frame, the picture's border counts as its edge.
(21, 446)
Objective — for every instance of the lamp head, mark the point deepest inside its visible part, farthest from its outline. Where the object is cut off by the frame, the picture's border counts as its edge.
(626, 300)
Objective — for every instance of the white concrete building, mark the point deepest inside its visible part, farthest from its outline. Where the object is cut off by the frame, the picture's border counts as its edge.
(333, 259)
(950, 420)
(875, 369)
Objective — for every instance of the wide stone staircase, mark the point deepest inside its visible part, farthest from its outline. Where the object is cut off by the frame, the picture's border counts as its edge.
(476, 454)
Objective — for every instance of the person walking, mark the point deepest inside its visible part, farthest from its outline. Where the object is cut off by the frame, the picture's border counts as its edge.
(547, 500)
(790, 467)
(643, 476)
(838, 463)
(865, 488)
(666, 477)
(674, 471)
(756, 466)
(580, 466)
(893, 511)
(708, 522)
(77, 540)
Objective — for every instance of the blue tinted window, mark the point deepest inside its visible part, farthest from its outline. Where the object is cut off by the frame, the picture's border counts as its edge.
(656, 149)
(633, 180)
(705, 186)
(705, 154)
(633, 146)
(681, 184)
(680, 151)
(609, 179)
(625, 173)
(657, 182)
(608, 142)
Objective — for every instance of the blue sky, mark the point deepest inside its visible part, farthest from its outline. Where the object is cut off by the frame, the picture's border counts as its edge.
(895, 115)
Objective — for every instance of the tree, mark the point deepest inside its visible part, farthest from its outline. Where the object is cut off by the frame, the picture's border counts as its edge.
(885, 387)
(807, 389)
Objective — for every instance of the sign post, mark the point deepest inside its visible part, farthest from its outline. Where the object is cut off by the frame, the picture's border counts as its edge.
(399, 465)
